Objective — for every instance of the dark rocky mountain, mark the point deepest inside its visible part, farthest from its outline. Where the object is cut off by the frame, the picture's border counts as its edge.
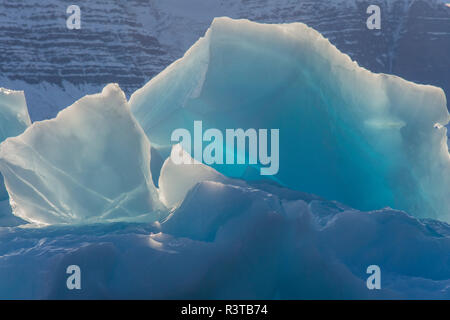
(130, 41)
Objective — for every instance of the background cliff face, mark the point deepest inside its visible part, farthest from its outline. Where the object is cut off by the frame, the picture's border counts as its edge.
(130, 41)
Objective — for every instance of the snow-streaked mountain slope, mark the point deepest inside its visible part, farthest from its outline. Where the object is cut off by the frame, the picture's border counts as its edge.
(129, 42)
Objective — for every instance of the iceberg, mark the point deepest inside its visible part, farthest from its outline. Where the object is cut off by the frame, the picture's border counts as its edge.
(91, 163)
(176, 180)
(367, 140)
(100, 196)
(14, 116)
(14, 119)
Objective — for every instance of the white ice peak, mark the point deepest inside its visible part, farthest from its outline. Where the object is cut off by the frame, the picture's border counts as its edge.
(90, 163)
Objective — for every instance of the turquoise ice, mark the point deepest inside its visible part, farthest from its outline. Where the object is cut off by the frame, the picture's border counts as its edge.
(367, 140)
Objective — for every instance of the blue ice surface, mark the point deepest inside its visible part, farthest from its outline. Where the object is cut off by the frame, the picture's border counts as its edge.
(231, 242)
(367, 140)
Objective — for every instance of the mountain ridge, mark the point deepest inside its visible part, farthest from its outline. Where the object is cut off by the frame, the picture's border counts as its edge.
(129, 42)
